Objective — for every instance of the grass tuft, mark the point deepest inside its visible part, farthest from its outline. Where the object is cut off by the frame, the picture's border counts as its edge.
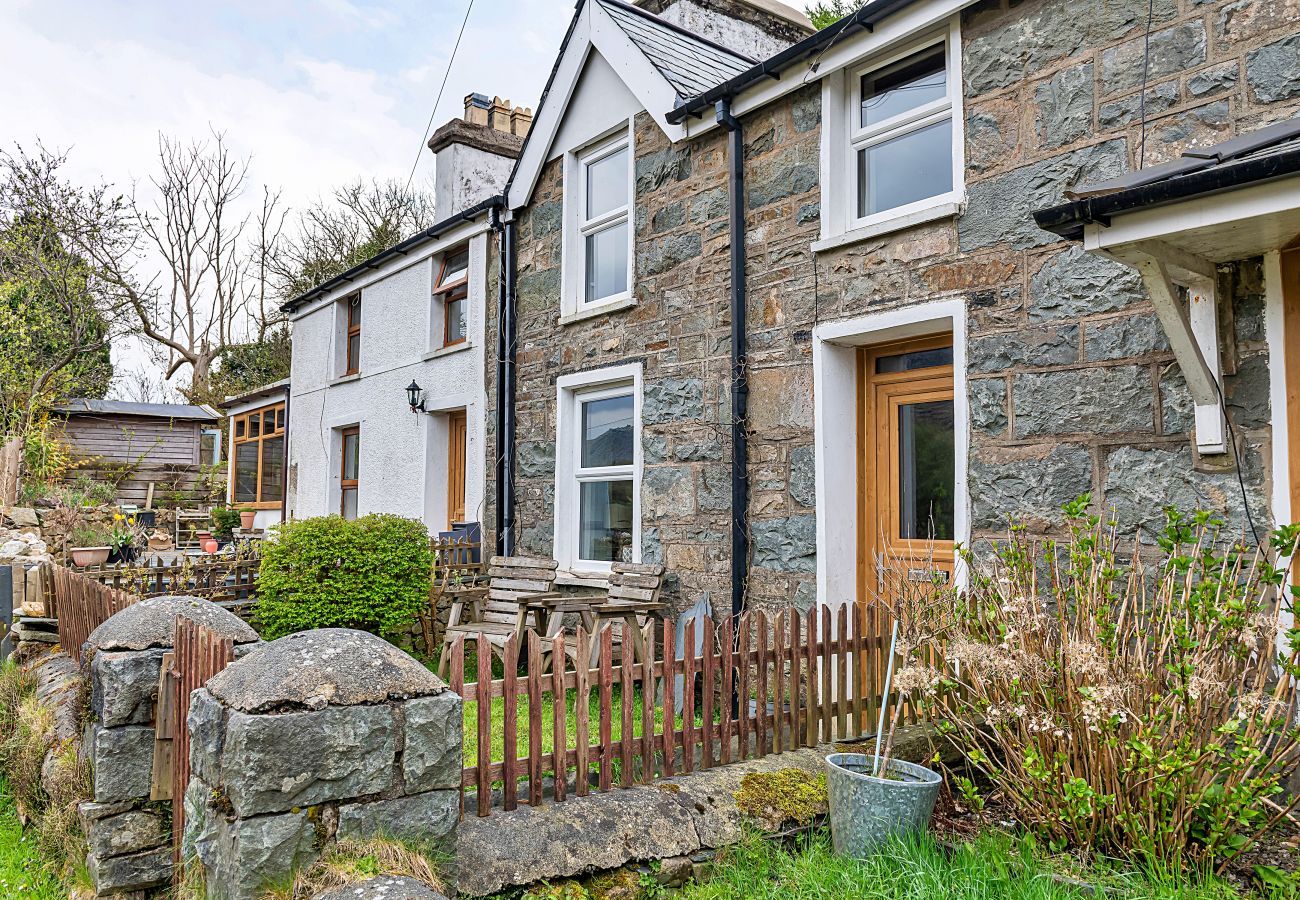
(350, 861)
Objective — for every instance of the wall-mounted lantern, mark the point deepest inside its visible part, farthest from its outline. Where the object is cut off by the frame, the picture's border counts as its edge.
(415, 396)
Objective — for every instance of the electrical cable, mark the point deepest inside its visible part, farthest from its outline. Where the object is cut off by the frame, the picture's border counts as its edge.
(1142, 97)
(434, 112)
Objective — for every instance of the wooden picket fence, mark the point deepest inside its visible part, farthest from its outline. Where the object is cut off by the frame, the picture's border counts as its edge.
(11, 450)
(81, 605)
(760, 685)
(228, 581)
(198, 654)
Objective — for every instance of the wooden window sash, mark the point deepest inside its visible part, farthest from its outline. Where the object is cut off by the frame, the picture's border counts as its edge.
(449, 291)
(346, 483)
(277, 430)
(353, 330)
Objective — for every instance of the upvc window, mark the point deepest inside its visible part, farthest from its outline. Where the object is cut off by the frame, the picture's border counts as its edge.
(598, 472)
(599, 244)
(349, 471)
(902, 151)
(451, 293)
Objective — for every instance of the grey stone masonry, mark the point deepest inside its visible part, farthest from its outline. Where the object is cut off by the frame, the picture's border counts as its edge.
(128, 834)
(317, 736)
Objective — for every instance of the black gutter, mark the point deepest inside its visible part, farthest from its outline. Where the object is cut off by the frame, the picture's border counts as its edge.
(284, 462)
(431, 233)
(1068, 219)
(772, 67)
(506, 423)
(739, 360)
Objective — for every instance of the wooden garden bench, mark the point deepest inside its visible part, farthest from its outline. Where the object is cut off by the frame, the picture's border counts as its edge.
(500, 609)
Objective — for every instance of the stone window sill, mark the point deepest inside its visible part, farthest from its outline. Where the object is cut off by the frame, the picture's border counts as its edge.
(447, 351)
(345, 379)
(591, 312)
(888, 226)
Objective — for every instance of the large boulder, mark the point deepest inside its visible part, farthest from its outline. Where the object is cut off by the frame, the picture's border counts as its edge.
(326, 667)
(384, 887)
(152, 623)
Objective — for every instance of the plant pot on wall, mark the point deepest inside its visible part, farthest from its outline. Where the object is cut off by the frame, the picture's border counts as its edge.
(865, 809)
(89, 556)
(246, 518)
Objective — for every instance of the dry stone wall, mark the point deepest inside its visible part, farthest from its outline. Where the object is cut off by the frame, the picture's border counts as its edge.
(1072, 386)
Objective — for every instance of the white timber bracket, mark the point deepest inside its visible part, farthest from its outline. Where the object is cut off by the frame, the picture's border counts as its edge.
(1193, 332)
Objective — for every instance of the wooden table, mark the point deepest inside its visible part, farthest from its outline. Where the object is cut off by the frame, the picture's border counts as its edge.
(594, 613)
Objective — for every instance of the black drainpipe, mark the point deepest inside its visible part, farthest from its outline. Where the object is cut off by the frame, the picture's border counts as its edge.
(505, 444)
(739, 361)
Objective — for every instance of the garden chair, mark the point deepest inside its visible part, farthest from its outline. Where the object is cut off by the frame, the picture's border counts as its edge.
(500, 609)
(632, 597)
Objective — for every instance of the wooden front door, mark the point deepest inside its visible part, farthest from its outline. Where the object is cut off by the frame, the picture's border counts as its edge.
(907, 466)
(455, 467)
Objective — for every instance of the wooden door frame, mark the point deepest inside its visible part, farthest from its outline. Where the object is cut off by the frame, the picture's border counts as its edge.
(457, 424)
(869, 533)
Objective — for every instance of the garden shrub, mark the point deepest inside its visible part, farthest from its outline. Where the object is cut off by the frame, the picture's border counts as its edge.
(1138, 707)
(372, 574)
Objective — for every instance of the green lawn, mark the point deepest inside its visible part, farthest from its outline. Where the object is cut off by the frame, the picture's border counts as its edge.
(918, 868)
(22, 872)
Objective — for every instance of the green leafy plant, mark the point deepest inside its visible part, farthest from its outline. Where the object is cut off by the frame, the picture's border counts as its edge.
(89, 536)
(1141, 708)
(372, 574)
(122, 534)
(224, 521)
(823, 14)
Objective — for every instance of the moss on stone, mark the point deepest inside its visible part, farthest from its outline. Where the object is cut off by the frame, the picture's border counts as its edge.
(790, 795)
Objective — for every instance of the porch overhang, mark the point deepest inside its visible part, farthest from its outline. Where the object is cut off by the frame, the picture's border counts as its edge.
(1175, 224)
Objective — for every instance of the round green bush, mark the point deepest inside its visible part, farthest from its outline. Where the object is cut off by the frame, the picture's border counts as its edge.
(327, 572)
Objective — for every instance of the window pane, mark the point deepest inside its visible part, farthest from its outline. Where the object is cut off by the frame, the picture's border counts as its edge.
(239, 427)
(246, 473)
(351, 442)
(917, 359)
(354, 312)
(607, 184)
(354, 352)
(607, 432)
(455, 320)
(905, 85)
(456, 266)
(268, 421)
(272, 470)
(208, 444)
(905, 169)
(926, 470)
(349, 505)
(254, 425)
(607, 262)
(605, 524)
(279, 419)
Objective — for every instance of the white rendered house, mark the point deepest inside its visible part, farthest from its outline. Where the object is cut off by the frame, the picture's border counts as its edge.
(388, 393)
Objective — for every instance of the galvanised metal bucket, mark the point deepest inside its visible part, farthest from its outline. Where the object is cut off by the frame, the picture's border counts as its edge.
(865, 809)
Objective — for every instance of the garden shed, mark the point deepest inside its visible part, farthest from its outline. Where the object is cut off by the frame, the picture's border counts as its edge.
(136, 445)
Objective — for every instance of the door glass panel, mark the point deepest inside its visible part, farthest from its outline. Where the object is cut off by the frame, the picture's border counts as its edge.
(916, 359)
(605, 520)
(607, 262)
(272, 469)
(926, 470)
(907, 84)
(905, 169)
(246, 473)
(350, 443)
(349, 508)
(607, 184)
(607, 432)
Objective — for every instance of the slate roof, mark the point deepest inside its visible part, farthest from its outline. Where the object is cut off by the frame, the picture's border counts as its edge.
(84, 406)
(689, 63)
(1259, 156)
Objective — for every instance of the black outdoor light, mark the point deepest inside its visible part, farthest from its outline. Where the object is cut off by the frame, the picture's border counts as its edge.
(413, 392)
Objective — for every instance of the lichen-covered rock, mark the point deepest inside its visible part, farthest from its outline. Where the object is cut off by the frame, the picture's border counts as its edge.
(122, 761)
(325, 667)
(280, 762)
(124, 686)
(242, 856)
(385, 887)
(431, 755)
(152, 623)
(424, 818)
(790, 795)
(128, 832)
(205, 724)
(134, 872)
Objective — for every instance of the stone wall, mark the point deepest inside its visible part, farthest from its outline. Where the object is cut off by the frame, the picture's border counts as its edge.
(1072, 386)
(130, 835)
(317, 736)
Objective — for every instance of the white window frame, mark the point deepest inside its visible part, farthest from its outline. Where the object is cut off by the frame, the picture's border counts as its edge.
(845, 137)
(578, 227)
(572, 392)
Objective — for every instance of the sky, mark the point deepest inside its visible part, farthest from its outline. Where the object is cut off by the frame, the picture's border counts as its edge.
(314, 93)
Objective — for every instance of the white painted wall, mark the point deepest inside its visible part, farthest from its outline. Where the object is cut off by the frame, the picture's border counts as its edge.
(715, 25)
(600, 102)
(464, 176)
(403, 454)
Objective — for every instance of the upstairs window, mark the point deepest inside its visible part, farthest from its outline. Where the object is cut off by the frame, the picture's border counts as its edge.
(901, 133)
(352, 335)
(451, 293)
(599, 241)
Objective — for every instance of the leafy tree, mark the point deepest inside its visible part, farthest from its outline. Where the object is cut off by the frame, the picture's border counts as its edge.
(823, 14)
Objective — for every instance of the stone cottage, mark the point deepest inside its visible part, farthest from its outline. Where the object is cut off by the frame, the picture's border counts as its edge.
(777, 310)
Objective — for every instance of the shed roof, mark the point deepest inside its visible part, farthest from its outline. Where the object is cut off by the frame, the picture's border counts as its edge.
(280, 387)
(86, 406)
(691, 64)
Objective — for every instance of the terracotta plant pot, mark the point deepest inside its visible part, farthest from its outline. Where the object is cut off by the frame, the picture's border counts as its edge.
(247, 517)
(89, 556)
(211, 546)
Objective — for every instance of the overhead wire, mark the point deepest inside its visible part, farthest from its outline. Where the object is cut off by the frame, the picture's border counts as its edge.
(419, 153)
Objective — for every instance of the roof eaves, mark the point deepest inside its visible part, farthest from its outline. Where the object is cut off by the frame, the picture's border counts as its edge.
(400, 249)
